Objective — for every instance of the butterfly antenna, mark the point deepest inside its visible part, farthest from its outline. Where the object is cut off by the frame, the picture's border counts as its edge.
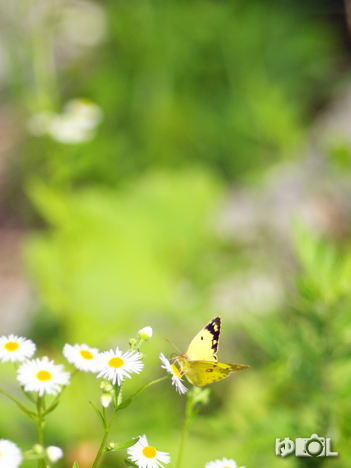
(174, 345)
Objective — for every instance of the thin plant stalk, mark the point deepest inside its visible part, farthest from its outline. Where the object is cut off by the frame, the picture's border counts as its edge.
(103, 443)
(41, 410)
(118, 397)
(189, 412)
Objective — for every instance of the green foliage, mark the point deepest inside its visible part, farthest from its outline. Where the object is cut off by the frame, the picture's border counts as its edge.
(103, 245)
(129, 463)
(304, 373)
(99, 415)
(126, 444)
(326, 274)
(225, 84)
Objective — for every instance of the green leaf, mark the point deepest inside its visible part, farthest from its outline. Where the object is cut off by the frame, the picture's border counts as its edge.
(126, 402)
(28, 395)
(99, 414)
(75, 464)
(129, 463)
(126, 444)
(52, 406)
(20, 406)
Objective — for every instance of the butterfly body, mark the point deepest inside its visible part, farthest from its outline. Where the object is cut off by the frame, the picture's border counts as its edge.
(199, 363)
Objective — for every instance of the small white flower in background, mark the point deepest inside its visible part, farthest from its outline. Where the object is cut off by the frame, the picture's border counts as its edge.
(42, 376)
(145, 333)
(176, 375)
(82, 357)
(76, 124)
(146, 456)
(85, 111)
(14, 348)
(10, 454)
(54, 453)
(225, 463)
(116, 366)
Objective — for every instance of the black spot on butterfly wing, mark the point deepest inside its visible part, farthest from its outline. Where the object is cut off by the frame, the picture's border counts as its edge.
(214, 327)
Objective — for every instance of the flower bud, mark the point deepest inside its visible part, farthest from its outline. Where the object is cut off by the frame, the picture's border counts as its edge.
(108, 387)
(106, 399)
(145, 333)
(38, 449)
(201, 395)
(54, 453)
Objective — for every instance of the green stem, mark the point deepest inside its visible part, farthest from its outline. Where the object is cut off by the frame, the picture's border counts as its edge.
(103, 443)
(119, 405)
(43, 61)
(117, 398)
(188, 420)
(131, 398)
(40, 406)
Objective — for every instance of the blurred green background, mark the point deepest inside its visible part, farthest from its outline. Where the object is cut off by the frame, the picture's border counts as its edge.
(161, 165)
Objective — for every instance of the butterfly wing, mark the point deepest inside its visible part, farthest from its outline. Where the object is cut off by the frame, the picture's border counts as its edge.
(201, 373)
(205, 344)
(199, 362)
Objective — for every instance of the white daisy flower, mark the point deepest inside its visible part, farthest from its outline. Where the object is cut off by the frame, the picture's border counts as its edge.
(145, 333)
(146, 456)
(54, 453)
(225, 463)
(116, 366)
(16, 348)
(42, 376)
(176, 375)
(82, 357)
(10, 454)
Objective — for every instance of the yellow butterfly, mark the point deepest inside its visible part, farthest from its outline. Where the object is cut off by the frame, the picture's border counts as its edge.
(199, 362)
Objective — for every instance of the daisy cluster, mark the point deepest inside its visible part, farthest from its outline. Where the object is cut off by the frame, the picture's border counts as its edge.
(43, 376)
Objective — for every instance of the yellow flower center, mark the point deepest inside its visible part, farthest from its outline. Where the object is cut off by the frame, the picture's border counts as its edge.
(11, 346)
(86, 354)
(176, 371)
(116, 362)
(44, 375)
(149, 452)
